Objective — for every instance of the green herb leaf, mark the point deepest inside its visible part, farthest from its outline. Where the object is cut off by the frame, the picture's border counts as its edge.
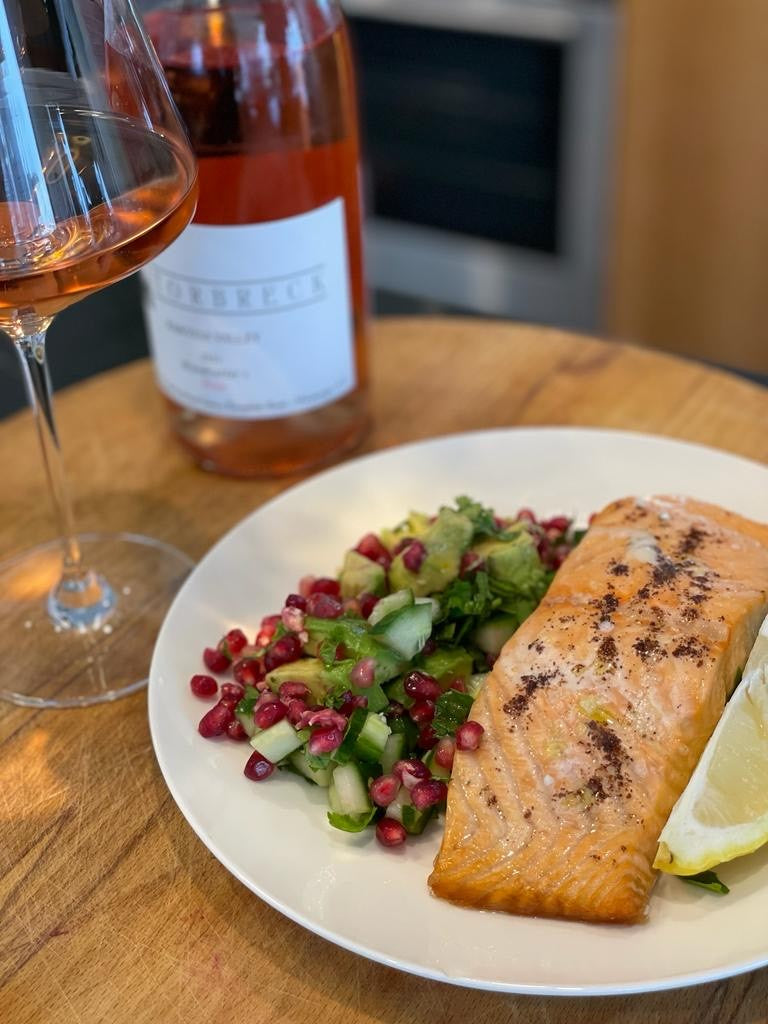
(707, 880)
(451, 711)
(351, 822)
(482, 518)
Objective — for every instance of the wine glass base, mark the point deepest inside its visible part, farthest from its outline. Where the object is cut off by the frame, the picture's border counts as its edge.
(51, 664)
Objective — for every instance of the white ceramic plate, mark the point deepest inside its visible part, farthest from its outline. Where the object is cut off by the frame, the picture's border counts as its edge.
(274, 836)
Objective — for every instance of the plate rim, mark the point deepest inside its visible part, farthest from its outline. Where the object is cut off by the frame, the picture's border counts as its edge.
(670, 982)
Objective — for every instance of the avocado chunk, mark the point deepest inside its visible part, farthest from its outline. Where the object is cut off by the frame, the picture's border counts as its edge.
(309, 671)
(416, 525)
(446, 540)
(515, 563)
(359, 575)
(447, 664)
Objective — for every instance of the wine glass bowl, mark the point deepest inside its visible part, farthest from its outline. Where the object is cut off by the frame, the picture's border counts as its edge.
(96, 179)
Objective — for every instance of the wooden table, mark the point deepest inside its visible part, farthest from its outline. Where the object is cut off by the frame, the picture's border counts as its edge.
(112, 910)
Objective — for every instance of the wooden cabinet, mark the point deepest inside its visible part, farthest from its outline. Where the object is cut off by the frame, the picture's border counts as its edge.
(689, 267)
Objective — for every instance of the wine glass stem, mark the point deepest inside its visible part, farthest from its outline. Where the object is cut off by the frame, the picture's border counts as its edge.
(31, 349)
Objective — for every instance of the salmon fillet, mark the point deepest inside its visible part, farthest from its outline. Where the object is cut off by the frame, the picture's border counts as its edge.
(598, 709)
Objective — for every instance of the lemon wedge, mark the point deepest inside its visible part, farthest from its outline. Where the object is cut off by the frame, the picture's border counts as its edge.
(723, 811)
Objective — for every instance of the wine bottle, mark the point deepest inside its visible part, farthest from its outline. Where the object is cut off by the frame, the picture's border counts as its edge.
(256, 314)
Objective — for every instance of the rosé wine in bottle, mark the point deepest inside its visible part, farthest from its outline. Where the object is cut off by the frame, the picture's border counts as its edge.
(256, 315)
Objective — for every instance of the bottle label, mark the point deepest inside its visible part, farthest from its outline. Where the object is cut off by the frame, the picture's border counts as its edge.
(254, 321)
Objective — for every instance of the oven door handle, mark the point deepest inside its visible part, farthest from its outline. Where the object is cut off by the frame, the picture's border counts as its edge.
(555, 21)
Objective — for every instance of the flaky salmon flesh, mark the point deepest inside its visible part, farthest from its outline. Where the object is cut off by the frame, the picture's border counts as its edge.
(598, 709)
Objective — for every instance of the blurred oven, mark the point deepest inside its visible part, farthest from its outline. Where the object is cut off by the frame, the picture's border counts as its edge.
(488, 130)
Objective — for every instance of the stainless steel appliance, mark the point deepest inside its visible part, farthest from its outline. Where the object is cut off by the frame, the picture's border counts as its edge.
(488, 132)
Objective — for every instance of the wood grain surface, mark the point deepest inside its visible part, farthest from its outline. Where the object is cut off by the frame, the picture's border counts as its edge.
(111, 909)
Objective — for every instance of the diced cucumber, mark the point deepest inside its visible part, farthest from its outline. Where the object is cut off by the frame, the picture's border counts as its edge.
(475, 683)
(244, 712)
(299, 761)
(402, 810)
(348, 793)
(277, 741)
(405, 631)
(372, 739)
(390, 603)
(394, 750)
(491, 636)
(414, 820)
(434, 605)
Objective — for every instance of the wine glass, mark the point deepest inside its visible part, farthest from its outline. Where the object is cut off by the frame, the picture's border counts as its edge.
(96, 178)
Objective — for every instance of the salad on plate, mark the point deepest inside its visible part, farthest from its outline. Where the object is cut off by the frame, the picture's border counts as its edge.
(362, 684)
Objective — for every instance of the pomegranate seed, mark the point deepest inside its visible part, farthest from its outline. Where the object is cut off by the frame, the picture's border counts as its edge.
(282, 651)
(468, 736)
(430, 646)
(367, 603)
(402, 545)
(470, 562)
(559, 555)
(410, 771)
(325, 585)
(352, 703)
(305, 585)
(203, 686)
(395, 709)
(340, 654)
(267, 630)
(293, 619)
(363, 673)
(352, 607)
(420, 685)
(234, 642)
(257, 767)
(384, 790)
(422, 712)
(265, 698)
(559, 524)
(371, 547)
(269, 713)
(525, 515)
(444, 752)
(290, 689)
(215, 660)
(324, 606)
(427, 737)
(248, 671)
(323, 741)
(327, 718)
(215, 721)
(459, 685)
(228, 702)
(296, 601)
(235, 731)
(232, 691)
(297, 708)
(428, 793)
(414, 555)
(390, 832)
